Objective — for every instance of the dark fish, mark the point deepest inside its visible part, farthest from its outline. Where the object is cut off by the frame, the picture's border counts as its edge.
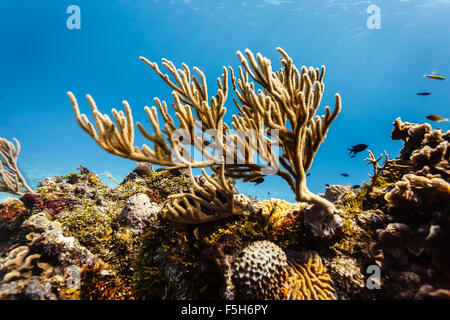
(357, 148)
(433, 76)
(344, 174)
(437, 118)
(356, 186)
(308, 174)
(258, 181)
(327, 185)
(206, 143)
(423, 93)
(352, 156)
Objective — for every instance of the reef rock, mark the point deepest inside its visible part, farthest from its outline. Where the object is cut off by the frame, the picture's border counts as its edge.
(139, 211)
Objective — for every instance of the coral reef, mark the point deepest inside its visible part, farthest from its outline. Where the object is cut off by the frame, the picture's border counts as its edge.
(412, 248)
(172, 235)
(42, 268)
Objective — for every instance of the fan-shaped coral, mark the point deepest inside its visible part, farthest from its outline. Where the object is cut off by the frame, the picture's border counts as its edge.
(286, 106)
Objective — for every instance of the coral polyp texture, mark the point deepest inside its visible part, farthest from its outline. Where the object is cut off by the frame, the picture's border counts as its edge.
(286, 105)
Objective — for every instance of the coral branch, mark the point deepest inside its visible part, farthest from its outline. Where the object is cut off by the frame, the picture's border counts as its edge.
(288, 103)
(118, 138)
(389, 165)
(209, 201)
(285, 108)
(11, 179)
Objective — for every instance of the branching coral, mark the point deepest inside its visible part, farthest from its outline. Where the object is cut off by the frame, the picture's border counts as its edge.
(213, 200)
(285, 108)
(11, 179)
(288, 103)
(168, 150)
(389, 167)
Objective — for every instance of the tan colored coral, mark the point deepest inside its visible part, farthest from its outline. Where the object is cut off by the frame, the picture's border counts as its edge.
(11, 179)
(18, 265)
(15, 259)
(308, 279)
(428, 292)
(287, 103)
(435, 157)
(277, 209)
(413, 190)
(190, 96)
(213, 200)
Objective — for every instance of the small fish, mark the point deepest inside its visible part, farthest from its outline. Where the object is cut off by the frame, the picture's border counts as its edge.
(327, 185)
(357, 148)
(433, 76)
(352, 156)
(437, 118)
(308, 174)
(423, 93)
(356, 186)
(344, 174)
(258, 181)
(206, 143)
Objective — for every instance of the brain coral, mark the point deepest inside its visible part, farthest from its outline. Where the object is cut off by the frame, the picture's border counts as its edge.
(259, 272)
(308, 278)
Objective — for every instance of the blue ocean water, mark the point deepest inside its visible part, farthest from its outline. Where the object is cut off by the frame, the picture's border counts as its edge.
(377, 71)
